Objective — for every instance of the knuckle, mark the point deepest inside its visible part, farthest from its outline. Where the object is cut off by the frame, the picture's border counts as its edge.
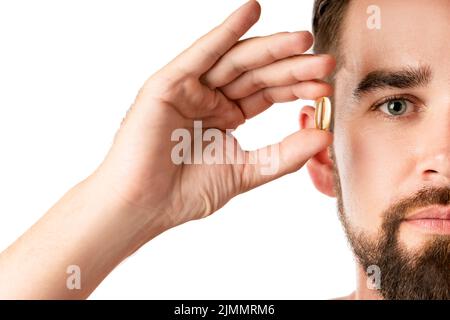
(271, 54)
(256, 80)
(212, 54)
(230, 31)
(214, 103)
(267, 96)
(295, 75)
(238, 68)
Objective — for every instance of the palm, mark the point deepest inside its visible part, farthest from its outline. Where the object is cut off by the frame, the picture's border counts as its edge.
(221, 82)
(147, 171)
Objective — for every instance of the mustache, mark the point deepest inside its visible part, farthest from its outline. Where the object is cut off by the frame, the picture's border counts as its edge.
(424, 197)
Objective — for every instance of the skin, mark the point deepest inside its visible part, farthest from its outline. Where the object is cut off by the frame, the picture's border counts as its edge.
(138, 192)
(381, 161)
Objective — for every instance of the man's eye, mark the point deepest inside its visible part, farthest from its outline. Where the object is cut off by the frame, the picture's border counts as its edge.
(396, 107)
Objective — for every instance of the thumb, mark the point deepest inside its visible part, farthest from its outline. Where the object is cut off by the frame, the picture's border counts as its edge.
(271, 162)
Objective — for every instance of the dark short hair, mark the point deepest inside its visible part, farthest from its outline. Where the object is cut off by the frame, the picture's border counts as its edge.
(328, 18)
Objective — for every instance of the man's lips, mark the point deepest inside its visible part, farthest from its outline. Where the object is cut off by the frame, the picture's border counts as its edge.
(435, 219)
(434, 212)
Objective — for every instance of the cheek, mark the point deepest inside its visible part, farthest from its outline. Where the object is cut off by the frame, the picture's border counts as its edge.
(372, 168)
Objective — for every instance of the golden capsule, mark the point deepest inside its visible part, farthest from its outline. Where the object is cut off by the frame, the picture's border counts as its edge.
(322, 115)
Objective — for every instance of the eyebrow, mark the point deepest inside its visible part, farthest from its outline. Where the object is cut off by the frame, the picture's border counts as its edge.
(410, 77)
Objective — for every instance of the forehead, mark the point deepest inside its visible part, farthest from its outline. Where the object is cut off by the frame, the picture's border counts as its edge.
(411, 33)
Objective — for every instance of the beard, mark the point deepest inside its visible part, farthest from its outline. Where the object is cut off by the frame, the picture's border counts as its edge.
(420, 275)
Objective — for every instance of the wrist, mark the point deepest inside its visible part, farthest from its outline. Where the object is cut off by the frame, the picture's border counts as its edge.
(126, 225)
(87, 229)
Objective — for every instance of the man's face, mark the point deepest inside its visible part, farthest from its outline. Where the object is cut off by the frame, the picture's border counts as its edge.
(393, 156)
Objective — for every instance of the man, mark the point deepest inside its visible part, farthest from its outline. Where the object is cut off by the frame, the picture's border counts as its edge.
(391, 141)
(386, 159)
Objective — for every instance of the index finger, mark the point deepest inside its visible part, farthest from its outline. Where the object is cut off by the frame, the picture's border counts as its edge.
(205, 52)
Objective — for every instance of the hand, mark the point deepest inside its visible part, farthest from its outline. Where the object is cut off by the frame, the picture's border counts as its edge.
(139, 190)
(220, 81)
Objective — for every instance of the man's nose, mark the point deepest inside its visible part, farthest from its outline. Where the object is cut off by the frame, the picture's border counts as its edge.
(434, 162)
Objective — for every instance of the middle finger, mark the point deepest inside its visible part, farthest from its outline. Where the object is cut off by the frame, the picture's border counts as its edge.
(281, 73)
(256, 52)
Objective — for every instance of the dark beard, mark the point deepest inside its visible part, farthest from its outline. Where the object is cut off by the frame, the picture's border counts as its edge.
(424, 274)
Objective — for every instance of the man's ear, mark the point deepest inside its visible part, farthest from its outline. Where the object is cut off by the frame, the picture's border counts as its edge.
(320, 167)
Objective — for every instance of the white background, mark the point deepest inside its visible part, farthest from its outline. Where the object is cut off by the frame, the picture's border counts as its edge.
(69, 70)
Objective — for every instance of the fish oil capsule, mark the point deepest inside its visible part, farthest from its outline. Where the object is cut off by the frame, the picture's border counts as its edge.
(322, 116)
